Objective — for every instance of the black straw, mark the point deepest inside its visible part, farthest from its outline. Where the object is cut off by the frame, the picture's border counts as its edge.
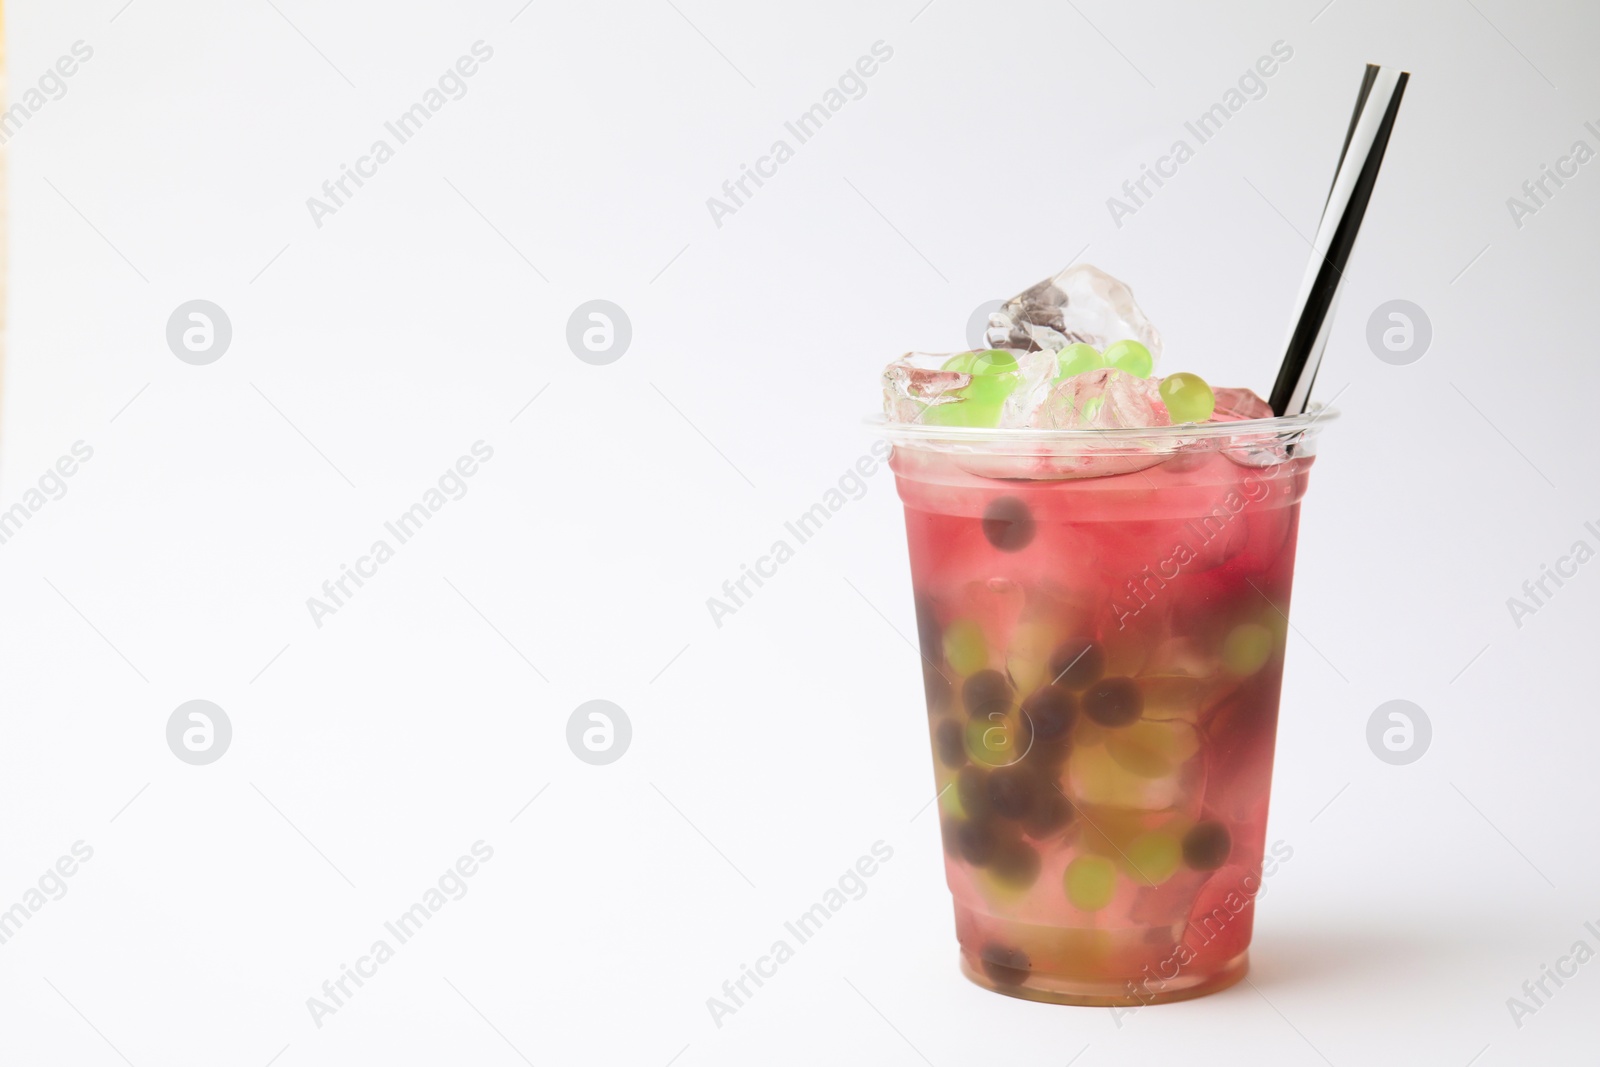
(1377, 105)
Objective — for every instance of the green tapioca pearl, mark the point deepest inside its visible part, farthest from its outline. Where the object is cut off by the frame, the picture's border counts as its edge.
(990, 389)
(972, 793)
(1078, 359)
(995, 740)
(965, 647)
(986, 363)
(994, 378)
(1247, 648)
(1154, 857)
(1277, 624)
(1130, 357)
(1188, 398)
(1090, 882)
(950, 801)
(961, 362)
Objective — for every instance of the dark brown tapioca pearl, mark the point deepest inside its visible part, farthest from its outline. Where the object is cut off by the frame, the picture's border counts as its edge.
(979, 840)
(949, 743)
(930, 635)
(1008, 524)
(1206, 846)
(1005, 965)
(1052, 710)
(948, 828)
(1050, 816)
(1015, 864)
(1013, 791)
(939, 689)
(1077, 664)
(985, 692)
(1113, 701)
(972, 789)
(1047, 758)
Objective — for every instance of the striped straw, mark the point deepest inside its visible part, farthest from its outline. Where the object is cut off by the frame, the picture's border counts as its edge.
(1376, 107)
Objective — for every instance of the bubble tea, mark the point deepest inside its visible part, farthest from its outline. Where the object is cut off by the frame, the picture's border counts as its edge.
(1102, 563)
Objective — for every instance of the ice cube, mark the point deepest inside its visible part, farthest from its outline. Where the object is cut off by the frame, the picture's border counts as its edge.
(1102, 399)
(1081, 304)
(1234, 405)
(1035, 372)
(1253, 450)
(914, 383)
(1266, 449)
(1094, 777)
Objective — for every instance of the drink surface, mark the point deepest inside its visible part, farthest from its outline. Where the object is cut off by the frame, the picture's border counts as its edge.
(1102, 659)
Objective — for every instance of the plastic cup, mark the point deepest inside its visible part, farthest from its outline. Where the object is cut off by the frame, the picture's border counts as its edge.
(1102, 619)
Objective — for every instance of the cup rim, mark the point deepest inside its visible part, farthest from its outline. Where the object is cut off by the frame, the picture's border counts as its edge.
(1282, 429)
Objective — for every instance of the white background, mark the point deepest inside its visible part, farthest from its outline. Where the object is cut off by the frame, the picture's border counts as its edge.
(769, 754)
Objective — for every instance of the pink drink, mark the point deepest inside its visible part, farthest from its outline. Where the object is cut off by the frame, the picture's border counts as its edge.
(1103, 620)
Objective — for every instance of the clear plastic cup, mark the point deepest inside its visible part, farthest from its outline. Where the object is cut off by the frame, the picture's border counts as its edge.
(1103, 616)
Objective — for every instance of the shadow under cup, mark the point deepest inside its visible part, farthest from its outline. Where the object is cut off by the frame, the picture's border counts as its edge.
(1102, 619)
